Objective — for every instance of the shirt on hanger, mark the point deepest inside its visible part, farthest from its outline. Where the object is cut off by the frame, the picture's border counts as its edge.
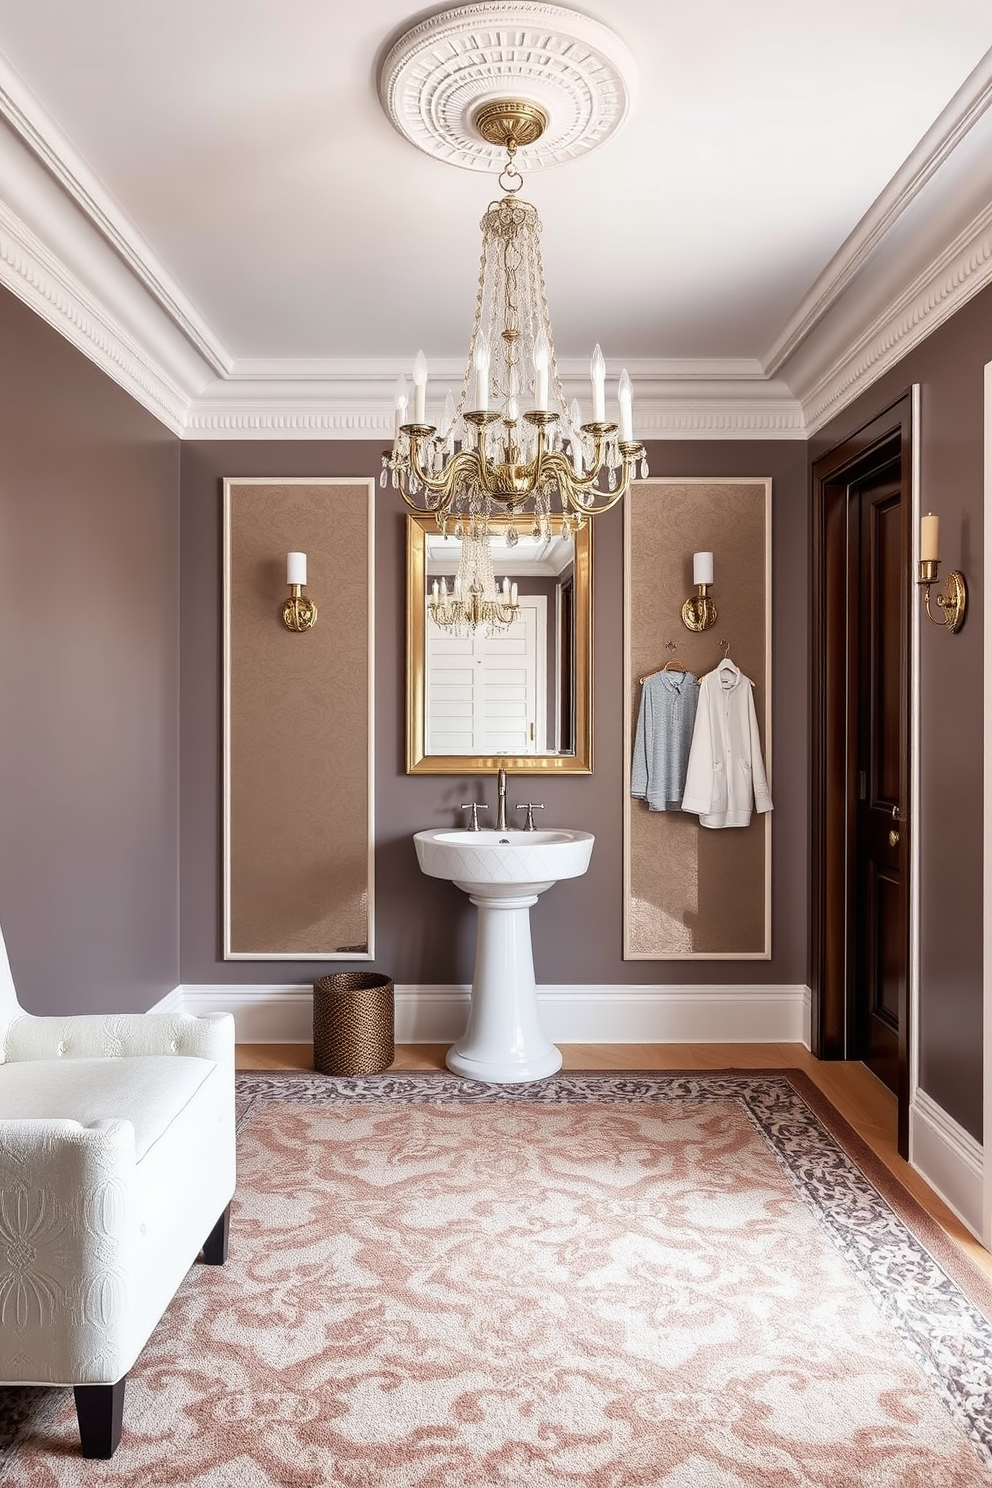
(662, 739)
(725, 778)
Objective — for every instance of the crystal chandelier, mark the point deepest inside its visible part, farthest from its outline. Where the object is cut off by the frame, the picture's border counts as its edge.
(529, 450)
(475, 600)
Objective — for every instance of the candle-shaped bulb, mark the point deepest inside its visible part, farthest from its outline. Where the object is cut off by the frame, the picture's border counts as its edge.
(702, 568)
(506, 587)
(434, 589)
(597, 371)
(513, 594)
(929, 538)
(542, 361)
(625, 394)
(458, 586)
(575, 415)
(444, 588)
(296, 568)
(420, 388)
(482, 356)
(401, 402)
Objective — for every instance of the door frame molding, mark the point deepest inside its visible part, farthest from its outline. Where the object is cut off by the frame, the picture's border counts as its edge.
(831, 777)
(986, 1236)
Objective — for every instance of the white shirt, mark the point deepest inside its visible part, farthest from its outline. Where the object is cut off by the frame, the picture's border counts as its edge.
(725, 778)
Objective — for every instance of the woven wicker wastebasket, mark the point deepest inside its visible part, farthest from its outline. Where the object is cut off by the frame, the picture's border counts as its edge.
(353, 1023)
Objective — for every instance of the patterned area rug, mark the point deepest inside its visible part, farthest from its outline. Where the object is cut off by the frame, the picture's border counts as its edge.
(599, 1281)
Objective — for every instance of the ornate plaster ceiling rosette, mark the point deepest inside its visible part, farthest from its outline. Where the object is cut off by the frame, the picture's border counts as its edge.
(440, 74)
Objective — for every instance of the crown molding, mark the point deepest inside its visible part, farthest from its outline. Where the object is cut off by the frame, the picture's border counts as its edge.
(948, 283)
(935, 149)
(359, 405)
(36, 276)
(36, 128)
(68, 253)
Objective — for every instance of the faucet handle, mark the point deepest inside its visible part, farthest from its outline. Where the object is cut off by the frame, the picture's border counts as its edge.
(530, 807)
(473, 806)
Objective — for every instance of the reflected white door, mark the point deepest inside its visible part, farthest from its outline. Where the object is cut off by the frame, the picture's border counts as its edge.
(486, 694)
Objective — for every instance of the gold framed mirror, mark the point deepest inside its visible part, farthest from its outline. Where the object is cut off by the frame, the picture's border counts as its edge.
(521, 697)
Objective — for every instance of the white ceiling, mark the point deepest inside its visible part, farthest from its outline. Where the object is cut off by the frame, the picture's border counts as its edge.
(286, 247)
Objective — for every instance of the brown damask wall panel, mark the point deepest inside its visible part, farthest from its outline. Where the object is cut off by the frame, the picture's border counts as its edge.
(694, 891)
(298, 829)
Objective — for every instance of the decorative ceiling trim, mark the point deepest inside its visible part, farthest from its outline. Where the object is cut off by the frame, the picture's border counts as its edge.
(32, 123)
(951, 127)
(438, 76)
(36, 276)
(335, 399)
(355, 408)
(947, 284)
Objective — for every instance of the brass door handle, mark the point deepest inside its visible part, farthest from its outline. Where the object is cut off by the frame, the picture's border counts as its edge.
(893, 837)
(897, 815)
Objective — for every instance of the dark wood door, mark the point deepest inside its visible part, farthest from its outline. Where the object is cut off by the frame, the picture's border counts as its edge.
(879, 542)
(861, 742)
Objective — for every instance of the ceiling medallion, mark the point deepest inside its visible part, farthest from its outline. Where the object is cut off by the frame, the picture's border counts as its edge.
(571, 72)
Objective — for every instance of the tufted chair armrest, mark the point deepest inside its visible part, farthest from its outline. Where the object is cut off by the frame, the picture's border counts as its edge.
(121, 1036)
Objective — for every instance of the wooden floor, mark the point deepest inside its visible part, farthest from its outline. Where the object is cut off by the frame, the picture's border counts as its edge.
(851, 1089)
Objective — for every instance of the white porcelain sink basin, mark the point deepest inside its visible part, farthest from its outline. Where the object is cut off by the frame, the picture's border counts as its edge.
(492, 864)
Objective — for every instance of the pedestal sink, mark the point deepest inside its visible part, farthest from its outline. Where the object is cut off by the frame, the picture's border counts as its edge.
(503, 873)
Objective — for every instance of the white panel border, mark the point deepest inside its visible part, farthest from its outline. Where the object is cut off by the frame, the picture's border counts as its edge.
(766, 725)
(259, 480)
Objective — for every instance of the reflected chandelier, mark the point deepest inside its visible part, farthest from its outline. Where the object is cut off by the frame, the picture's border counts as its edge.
(475, 600)
(530, 449)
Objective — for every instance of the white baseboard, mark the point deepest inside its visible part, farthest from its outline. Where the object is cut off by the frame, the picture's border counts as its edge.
(949, 1158)
(172, 1002)
(570, 1014)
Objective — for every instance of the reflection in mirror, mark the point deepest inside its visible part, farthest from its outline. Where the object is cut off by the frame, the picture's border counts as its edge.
(516, 691)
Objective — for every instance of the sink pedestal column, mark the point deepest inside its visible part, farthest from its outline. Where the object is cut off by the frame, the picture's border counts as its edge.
(504, 1042)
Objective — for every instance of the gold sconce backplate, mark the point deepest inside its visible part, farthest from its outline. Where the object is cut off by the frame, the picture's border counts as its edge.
(699, 612)
(298, 612)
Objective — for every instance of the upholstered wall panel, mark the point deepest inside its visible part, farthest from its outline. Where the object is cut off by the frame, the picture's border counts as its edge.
(298, 827)
(692, 890)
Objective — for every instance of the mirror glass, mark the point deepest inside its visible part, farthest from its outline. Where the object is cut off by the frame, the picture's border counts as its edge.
(519, 695)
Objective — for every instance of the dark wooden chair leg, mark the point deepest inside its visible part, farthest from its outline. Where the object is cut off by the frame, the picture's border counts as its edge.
(215, 1245)
(100, 1413)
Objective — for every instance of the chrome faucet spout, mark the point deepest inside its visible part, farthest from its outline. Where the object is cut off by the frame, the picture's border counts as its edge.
(501, 800)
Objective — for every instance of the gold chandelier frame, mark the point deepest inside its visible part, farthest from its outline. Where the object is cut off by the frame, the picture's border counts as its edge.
(512, 462)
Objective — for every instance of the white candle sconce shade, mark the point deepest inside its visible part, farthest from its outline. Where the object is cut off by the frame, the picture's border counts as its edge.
(953, 603)
(298, 612)
(699, 612)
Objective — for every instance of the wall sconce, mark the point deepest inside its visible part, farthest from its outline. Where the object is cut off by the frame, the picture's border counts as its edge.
(699, 612)
(298, 612)
(954, 600)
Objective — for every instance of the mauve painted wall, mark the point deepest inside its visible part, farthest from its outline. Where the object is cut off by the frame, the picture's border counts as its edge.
(949, 366)
(425, 927)
(89, 550)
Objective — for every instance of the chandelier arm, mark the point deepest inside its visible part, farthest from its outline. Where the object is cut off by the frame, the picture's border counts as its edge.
(569, 485)
(443, 485)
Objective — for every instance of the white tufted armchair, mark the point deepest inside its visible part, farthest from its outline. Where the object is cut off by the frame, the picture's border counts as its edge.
(116, 1159)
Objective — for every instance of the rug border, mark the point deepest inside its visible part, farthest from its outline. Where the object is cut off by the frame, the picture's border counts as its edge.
(956, 1262)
